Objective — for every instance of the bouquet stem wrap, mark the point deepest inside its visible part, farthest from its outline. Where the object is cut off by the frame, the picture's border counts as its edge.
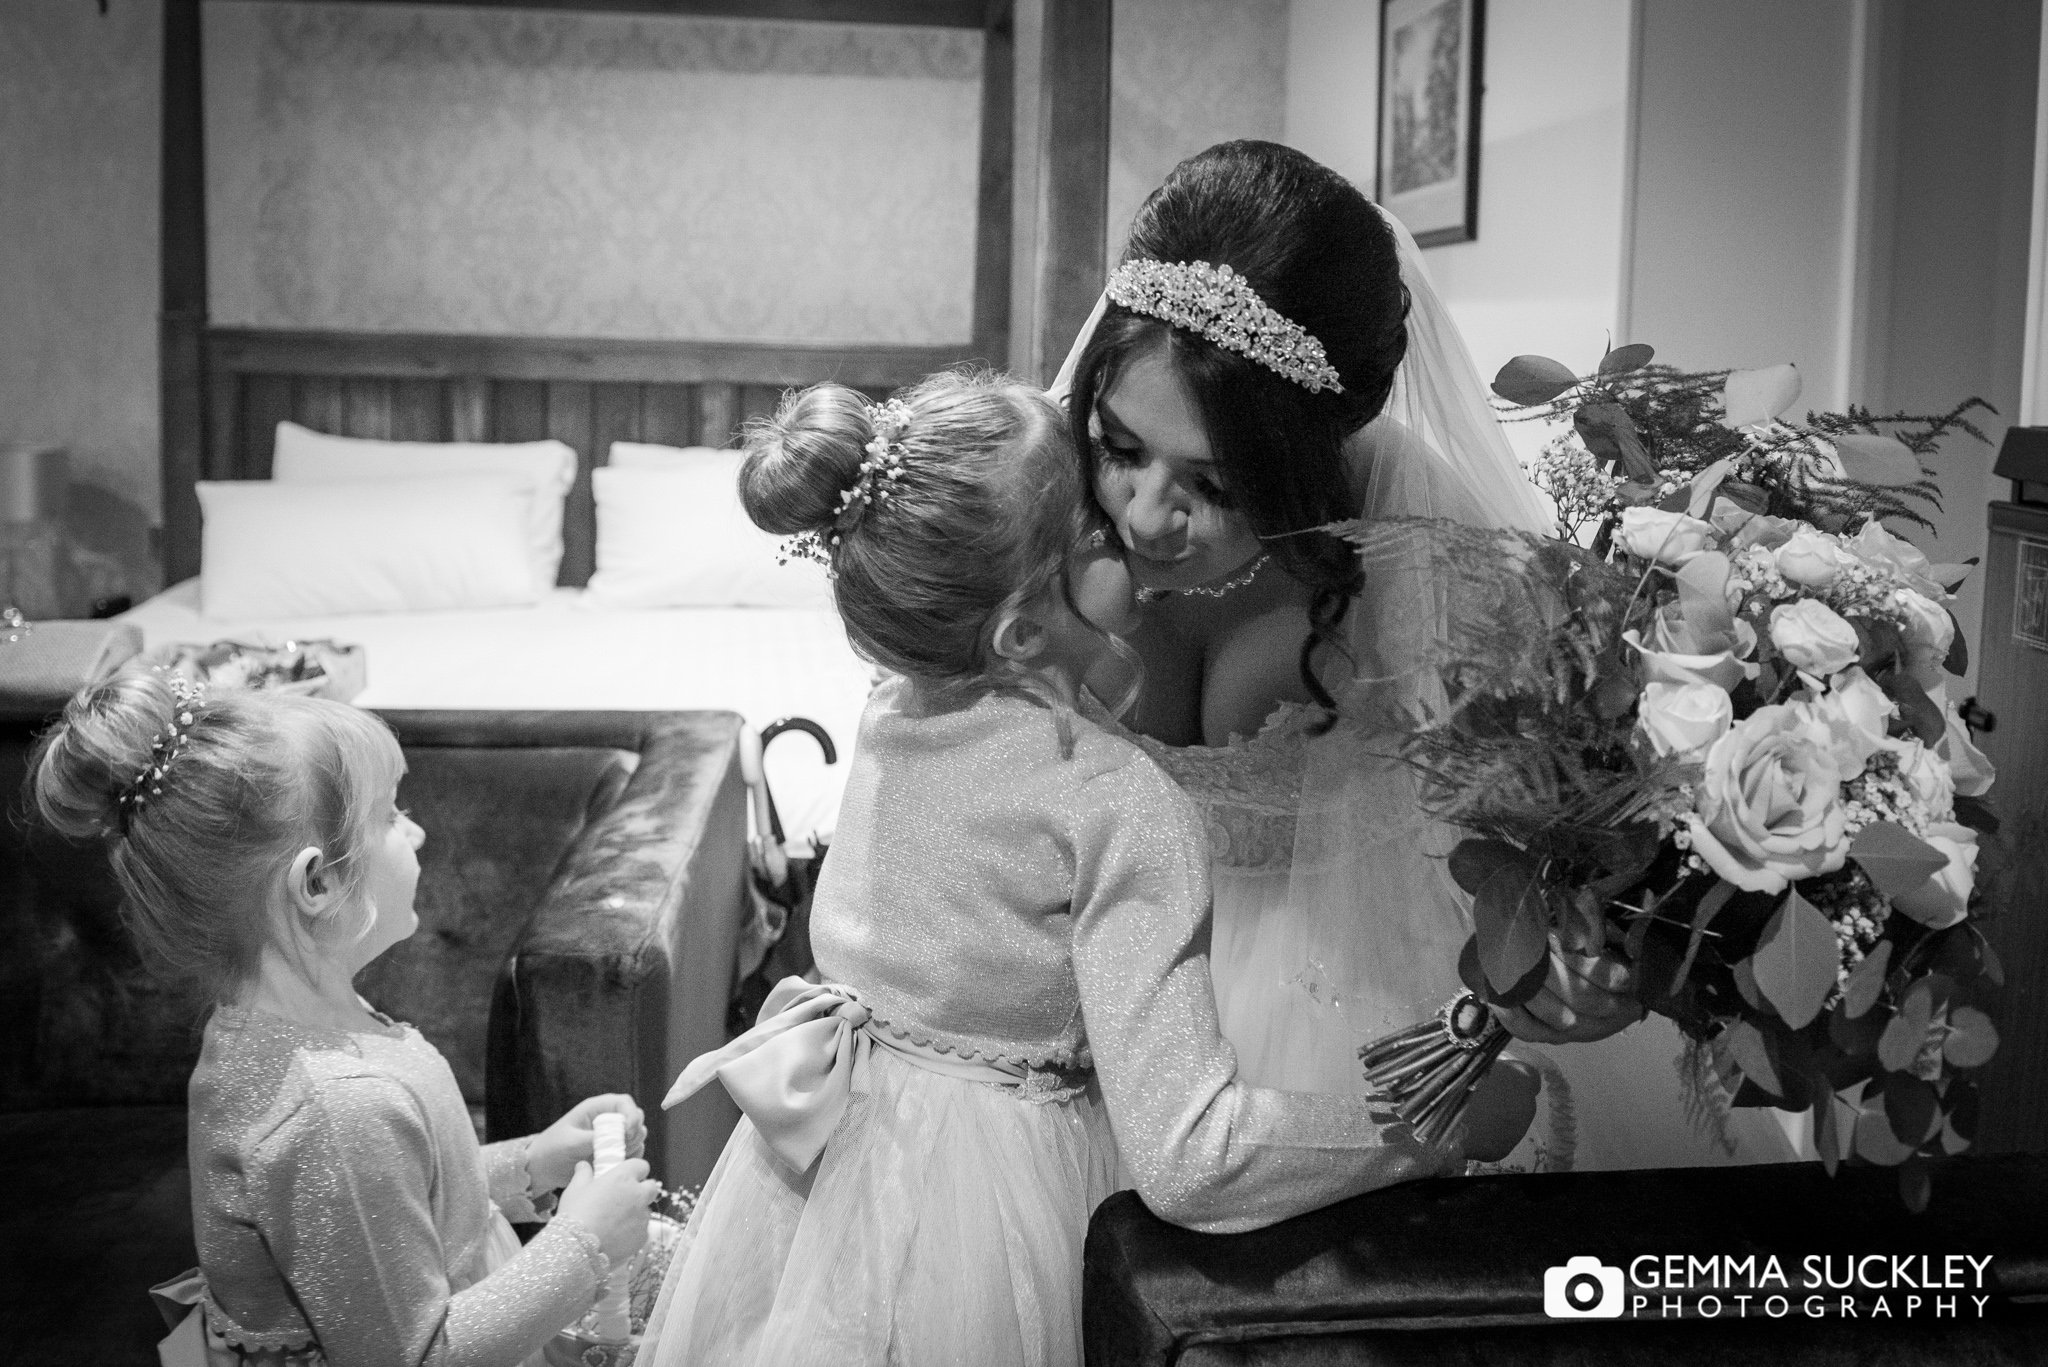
(1427, 1072)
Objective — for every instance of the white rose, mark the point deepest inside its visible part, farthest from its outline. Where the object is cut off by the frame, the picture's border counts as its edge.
(1924, 775)
(1769, 804)
(1683, 720)
(1874, 545)
(1813, 636)
(1970, 768)
(1812, 558)
(1853, 712)
(1929, 632)
(1667, 538)
(1944, 899)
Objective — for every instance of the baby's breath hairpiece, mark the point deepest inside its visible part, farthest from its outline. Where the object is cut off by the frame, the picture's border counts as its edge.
(871, 486)
(1221, 305)
(164, 746)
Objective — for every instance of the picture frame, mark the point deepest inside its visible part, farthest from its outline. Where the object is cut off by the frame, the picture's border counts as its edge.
(1432, 79)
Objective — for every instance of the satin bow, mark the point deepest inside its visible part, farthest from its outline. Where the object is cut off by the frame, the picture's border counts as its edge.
(794, 1071)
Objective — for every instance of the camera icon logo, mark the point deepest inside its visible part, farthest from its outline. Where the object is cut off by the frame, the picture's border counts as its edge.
(1583, 1289)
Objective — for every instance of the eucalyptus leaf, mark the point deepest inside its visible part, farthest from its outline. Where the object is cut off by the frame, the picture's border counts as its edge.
(1874, 459)
(1622, 359)
(1474, 861)
(1796, 960)
(1866, 980)
(1906, 1032)
(1875, 1142)
(1895, 859)
(1532, 380)
(1507, 916)
(1746, 1045)
(1957, 661)
(1912, 1108)
(1972, 1038)
(1754, 396)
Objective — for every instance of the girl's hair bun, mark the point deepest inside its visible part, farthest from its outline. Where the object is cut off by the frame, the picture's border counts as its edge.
(801, 462)
(91, 758)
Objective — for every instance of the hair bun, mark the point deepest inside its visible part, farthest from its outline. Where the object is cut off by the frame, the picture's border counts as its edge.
(90, 758)
(801, 462)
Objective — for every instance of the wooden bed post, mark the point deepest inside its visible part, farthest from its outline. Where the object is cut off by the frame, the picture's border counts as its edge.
(1061, 210)
(181, 324)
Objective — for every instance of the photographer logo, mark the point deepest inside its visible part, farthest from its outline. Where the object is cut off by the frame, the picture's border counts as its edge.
(1583, 1289)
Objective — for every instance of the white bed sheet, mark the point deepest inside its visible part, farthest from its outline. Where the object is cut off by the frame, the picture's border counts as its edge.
(763, 663)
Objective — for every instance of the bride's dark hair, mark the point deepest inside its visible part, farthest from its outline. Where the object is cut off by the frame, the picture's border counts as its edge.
(1319, 254)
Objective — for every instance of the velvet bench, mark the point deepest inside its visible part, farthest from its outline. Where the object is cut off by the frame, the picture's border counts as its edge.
(581, 895)
(1451, 1271)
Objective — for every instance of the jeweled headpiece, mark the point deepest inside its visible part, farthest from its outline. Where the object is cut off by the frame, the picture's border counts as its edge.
(1221, 305)
(164, 746)
(870, 487)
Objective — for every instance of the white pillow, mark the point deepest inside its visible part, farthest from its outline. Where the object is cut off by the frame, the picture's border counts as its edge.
(640, 455)
(318, 550)
(671, 533)
(545, 468)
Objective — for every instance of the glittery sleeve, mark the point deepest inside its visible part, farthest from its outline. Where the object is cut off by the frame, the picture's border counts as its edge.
(510, 1184)
(1207, 1151)
(341, 1187)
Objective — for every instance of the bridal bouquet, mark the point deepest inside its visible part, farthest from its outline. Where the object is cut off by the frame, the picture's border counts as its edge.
(1715, 740)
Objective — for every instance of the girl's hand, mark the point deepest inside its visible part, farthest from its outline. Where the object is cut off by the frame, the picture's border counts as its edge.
(613, 1207)
(553, 1154)
(1585, 998)
(1502, 1108)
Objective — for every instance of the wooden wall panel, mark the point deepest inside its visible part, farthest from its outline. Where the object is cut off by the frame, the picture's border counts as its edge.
(468, 417)
(366, 408)
(518, 411)
(223, 427)
(718, 413)
(317, 403)
(419, 410)
(266, 402)
(569, 420)
(668, 415)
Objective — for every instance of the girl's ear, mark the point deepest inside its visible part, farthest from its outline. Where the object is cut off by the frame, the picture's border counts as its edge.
(1018, 637)
(309, 885)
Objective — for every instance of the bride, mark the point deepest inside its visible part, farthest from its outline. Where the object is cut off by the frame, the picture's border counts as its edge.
(1270, 358)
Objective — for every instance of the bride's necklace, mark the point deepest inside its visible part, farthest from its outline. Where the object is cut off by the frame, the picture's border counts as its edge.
(1210, 590)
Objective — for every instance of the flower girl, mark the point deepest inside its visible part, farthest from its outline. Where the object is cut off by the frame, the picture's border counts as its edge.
(342, 1207)
(1013, 928)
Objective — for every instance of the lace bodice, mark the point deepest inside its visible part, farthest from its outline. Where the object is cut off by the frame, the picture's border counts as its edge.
(1248, 791)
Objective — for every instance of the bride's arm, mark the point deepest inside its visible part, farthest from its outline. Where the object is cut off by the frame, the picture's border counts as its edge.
(1208, 1151)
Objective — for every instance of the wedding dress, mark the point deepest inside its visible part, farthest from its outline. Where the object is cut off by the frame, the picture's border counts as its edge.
(1336, 920)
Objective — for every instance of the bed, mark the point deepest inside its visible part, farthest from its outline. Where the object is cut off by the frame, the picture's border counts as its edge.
(1038, 229)
(562, 654)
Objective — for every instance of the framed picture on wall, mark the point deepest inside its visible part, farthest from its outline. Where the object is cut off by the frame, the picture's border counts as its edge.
(1431, 74)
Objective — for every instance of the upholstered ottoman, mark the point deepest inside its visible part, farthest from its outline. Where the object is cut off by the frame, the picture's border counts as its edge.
(1452, 1271)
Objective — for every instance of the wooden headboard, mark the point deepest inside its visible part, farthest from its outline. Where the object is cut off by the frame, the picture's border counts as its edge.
(402, 387)
(1038, 266)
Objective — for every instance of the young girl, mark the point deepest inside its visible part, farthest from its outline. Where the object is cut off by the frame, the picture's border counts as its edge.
(1013, 930)
(342, 1207)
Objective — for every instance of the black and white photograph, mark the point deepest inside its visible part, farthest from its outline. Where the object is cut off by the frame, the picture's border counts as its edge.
(970, 683)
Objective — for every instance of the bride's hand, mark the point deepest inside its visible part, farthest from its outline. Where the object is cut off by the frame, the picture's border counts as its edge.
(1585, 998)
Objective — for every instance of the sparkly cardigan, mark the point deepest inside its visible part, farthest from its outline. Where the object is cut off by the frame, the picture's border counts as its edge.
(989, 896)
(341, 1204)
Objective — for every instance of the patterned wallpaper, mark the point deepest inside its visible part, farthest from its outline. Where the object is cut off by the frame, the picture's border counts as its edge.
(401, 168)
(78, 265)
(1185, 75)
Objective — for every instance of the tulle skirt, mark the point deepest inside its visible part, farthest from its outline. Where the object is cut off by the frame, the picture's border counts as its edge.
(1288, 1000)
(942, 1225)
